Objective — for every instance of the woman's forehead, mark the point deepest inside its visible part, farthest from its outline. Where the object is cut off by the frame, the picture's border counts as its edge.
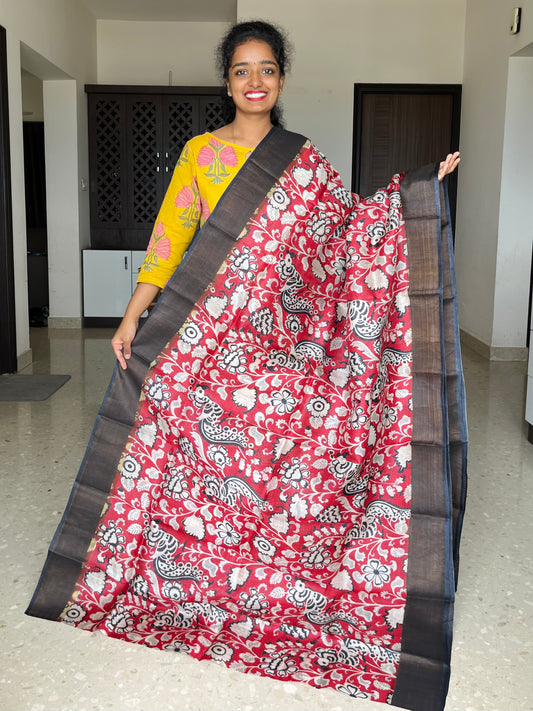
(253, 52)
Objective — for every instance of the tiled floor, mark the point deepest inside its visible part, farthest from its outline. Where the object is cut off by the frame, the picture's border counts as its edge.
(50, 667)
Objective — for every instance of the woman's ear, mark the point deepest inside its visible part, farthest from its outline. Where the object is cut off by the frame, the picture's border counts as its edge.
(227, 88)
(281, 82)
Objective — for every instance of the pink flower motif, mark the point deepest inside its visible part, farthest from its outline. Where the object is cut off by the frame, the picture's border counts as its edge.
(206, 156)
(162, 248)
(150, 244)
(184, 198)
(228, 156)
(159, 229)
(213, 142)
(197, 193)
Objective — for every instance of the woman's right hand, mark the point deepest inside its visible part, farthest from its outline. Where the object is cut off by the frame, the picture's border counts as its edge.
(121, 341)
(141, 299)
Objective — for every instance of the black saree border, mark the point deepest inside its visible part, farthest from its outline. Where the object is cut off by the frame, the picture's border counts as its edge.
(458, 436)
(69, 547)
(438, 464)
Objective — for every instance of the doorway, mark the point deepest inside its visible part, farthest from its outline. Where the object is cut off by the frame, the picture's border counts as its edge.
(35, 194)
(399, 127)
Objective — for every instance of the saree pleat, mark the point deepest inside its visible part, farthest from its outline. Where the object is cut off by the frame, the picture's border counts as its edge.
(292, 424)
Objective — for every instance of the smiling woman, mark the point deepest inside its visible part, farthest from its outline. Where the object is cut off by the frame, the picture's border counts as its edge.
(276, 478)
(254, 83)
(269, 46)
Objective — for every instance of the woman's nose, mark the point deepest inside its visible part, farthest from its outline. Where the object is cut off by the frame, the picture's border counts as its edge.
(255, 77)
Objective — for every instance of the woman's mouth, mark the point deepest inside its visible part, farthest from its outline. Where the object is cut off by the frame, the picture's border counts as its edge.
(255, 95)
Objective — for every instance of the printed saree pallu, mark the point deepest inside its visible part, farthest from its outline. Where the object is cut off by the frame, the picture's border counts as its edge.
(276, 483)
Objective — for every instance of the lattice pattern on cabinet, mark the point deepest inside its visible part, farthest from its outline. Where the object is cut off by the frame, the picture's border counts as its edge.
(108, 199)
(146, 162)
(181, 127)
(135, 138)
(213, 115)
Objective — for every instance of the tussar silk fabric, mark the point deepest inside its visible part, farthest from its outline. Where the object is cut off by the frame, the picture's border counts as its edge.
(277, 481)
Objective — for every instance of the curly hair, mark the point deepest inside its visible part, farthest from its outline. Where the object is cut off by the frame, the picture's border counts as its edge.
(240, 34)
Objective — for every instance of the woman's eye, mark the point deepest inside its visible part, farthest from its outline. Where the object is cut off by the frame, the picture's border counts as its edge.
(240, 72)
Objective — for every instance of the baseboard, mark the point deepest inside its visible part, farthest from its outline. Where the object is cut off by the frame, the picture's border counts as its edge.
(101, 321)
(64, 322)
(24, 360)
(475, 345)
(493, 352)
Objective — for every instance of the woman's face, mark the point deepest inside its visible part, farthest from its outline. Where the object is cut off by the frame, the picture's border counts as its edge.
(254, 80)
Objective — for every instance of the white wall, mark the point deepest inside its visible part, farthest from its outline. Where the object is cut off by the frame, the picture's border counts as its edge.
(145, 52)
(62, 204)
(57, 39)
(515, 229)
(342, 42)
(485, 286)
(32, 98)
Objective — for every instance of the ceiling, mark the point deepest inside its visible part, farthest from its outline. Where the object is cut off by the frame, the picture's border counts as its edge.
(164, 10)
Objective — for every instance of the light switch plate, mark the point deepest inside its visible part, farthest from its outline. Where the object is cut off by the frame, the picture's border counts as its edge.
(515, 20)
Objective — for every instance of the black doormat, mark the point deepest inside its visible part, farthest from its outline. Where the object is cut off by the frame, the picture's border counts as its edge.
(30, 388)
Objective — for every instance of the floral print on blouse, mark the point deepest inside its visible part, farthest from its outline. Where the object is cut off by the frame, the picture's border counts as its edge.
(204, 170)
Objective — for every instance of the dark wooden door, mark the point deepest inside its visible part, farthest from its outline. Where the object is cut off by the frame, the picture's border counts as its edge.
(398, 127)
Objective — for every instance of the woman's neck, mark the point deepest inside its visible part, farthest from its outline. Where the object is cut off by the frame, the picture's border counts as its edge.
(244, 132)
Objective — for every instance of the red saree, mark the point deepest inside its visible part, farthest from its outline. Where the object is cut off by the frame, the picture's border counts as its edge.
(277, 481)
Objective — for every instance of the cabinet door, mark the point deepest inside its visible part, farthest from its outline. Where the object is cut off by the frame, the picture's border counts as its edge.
(106, 282)
(107, 152)
(210, 113)
(145, 161)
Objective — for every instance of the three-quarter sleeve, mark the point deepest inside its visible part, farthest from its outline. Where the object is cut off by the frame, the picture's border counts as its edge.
(175, 225)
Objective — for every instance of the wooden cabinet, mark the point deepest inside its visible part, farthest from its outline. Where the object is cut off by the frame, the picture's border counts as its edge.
(135, 137)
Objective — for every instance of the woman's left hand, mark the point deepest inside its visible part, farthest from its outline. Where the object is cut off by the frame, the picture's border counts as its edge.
(449, 164)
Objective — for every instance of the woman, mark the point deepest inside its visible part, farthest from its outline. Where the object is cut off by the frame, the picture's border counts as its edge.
(299, 440)
(254, 80)
(252, 61)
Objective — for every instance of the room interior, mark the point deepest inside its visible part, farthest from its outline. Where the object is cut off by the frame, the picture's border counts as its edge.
(53, 52)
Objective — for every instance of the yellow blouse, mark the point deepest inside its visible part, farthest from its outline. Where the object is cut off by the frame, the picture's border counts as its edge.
(204, 170)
